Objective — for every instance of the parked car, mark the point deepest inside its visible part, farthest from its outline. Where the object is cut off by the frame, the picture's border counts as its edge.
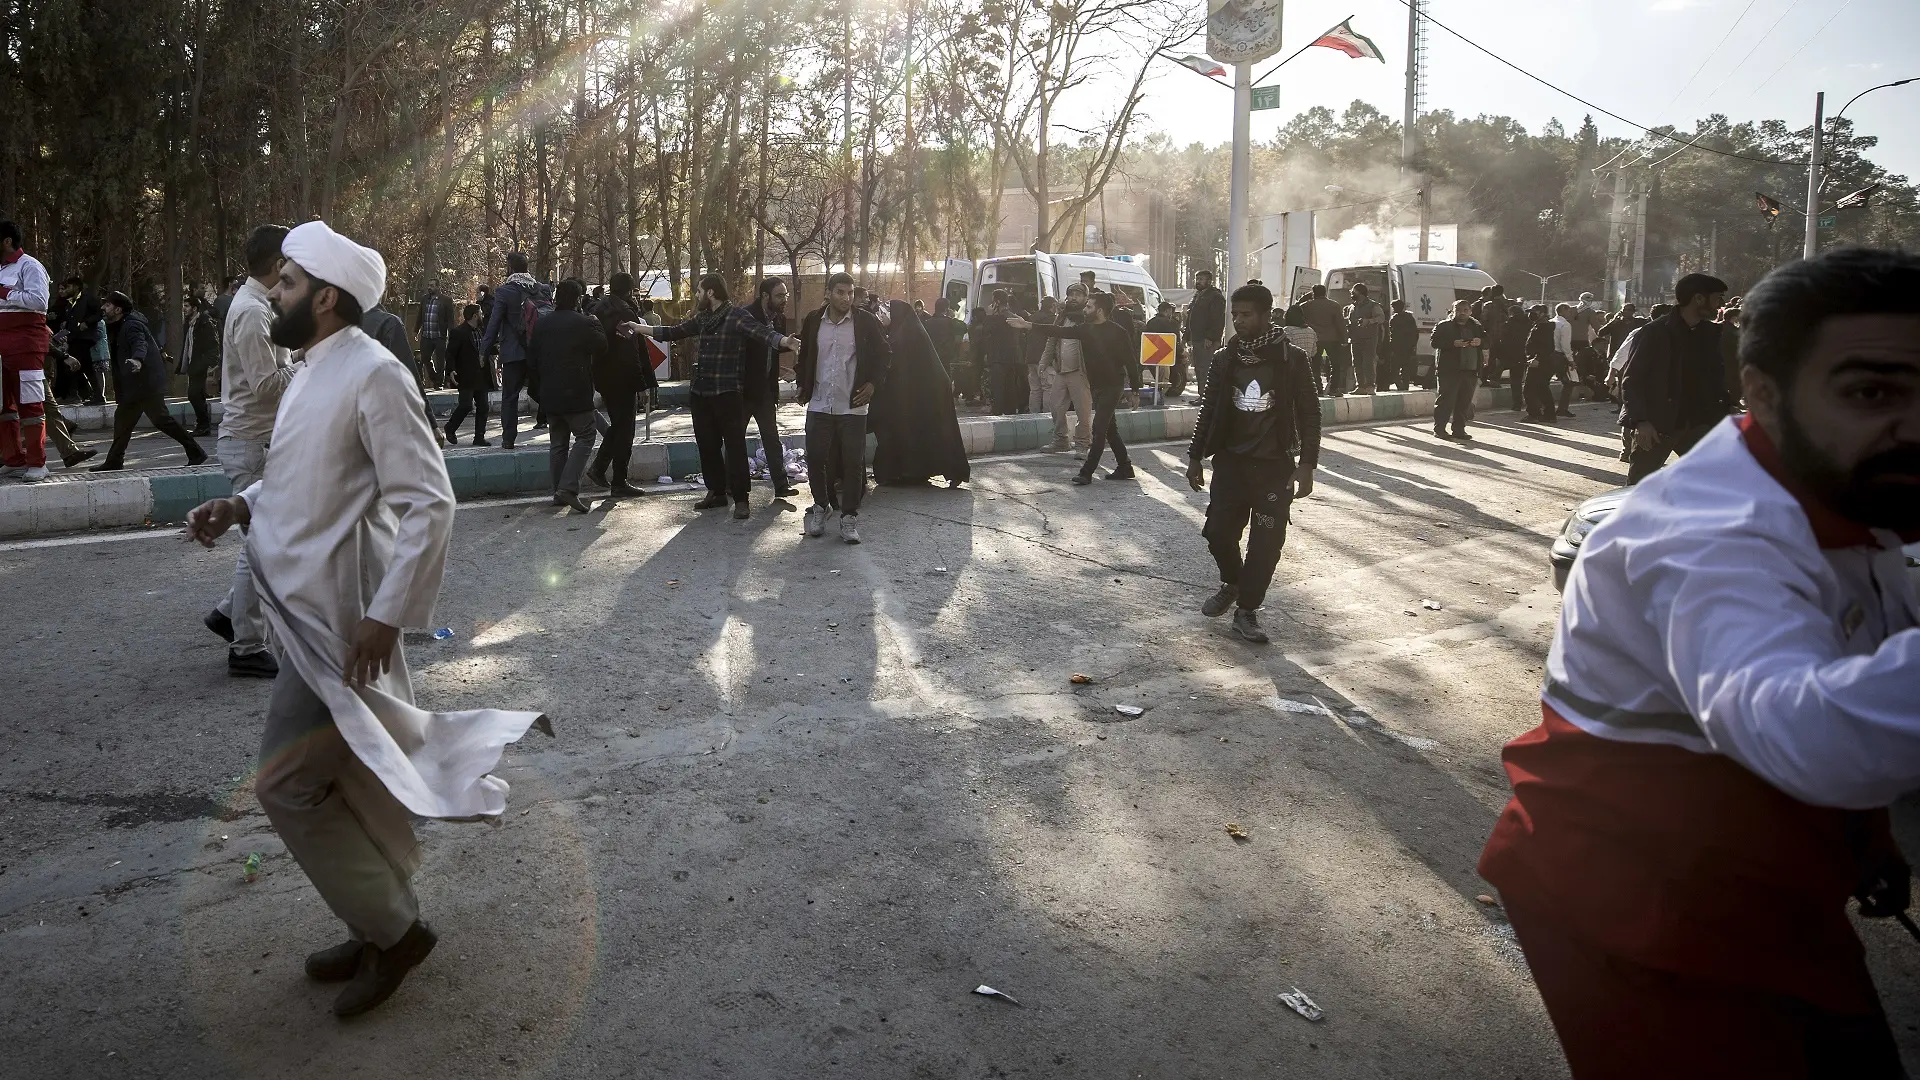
(1566, 545)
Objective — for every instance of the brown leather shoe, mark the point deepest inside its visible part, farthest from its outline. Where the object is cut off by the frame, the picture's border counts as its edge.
(337, 964)
(381, 971)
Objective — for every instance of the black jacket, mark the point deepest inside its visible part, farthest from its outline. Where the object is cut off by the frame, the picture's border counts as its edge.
(625, 367)
(562, 354)
(463, 359)
(760, 370)
(872, 356)
(1207, 315)
(1110, 351)
(1295, 399)
(1403, 335)
(1446, 336)
(132, 340)
(1540, 340)
(1676, 378)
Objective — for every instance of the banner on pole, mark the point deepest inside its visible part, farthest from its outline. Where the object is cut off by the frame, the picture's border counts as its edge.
(1156, 350)
(1265, 97)
(1242, 31)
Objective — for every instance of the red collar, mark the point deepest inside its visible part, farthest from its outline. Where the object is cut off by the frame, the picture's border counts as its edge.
(14, 258)
(1830, 529)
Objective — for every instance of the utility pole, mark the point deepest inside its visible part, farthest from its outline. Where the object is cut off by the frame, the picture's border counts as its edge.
(1640, 244)
(1617, 231)
(1713, 248)
(1813, 179)
(1242, 171)
(1409, 145)
(846, 144)
(913, 173)
(1041, 225)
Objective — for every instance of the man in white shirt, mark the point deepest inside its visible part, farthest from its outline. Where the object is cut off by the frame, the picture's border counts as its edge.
(348, 535)
(1728, 711)
(843, 357)
(254, 372)
(24, 340)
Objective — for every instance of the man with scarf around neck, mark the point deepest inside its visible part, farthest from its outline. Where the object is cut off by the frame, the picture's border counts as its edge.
(1729, 710)
(1260, 422)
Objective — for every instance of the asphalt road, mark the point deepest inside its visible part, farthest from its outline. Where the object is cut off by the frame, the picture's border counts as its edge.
(806, 796)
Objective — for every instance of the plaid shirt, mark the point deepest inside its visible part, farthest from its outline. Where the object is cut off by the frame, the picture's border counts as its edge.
(720, 365)
(431, 308)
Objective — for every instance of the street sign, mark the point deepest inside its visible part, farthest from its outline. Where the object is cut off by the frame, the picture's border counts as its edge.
(1265, 97)
(1156, 350)
(1826, 221)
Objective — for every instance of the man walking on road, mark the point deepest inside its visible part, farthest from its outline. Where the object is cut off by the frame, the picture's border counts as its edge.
(1458, 343)
(718, 402)
(1729, 710)
(1674, 391)
(24, 340)
(1366, 327)
(566, 347)
(1111, 354)
(139, 385)
(348, 534)
(621, 375)
(1403, 338)
(432, 324)
(254, 373)
(760, 381)
(508, 329)
(471, 374)
(1206, 324)
(1260, 423)
(1328, 321)
(1064, 367)
(844, 356)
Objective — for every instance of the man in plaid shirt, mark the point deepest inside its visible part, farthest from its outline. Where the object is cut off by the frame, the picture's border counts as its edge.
(432, 324)
(718, 403)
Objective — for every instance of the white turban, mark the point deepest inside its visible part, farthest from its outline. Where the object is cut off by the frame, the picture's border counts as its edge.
(336, 260)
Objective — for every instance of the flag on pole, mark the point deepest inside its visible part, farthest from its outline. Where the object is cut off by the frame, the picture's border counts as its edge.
(657, 358)
(1200, 65)
(1344, 38)
(1769, 206)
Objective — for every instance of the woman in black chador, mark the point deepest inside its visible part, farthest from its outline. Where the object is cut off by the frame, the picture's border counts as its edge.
(913, 421)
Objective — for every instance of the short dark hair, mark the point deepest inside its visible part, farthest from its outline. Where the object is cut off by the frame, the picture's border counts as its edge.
(74, 279)
(766, 287)
(1496, 289)
(263, 249)
(469, 312)
(1660, 309)
(716, 285)
(1781, 315)
(10, 231)
(1088, 274)
(1694, 285)
(1319, 292)
(620, 283)
(517, 262)
(836, 280)
(1204, 274)
(345, 305)
(118, 299)
(1103, 301)
(566, 295)
(941, 307)
(1259, 295)
(644, 304)
(1400, 305)
(1360, 287)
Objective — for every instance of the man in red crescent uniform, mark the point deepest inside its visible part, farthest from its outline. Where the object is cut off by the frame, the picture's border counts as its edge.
(24, 339)
(1732, 701)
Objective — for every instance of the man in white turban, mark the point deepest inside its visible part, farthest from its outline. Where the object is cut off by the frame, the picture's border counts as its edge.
(347, 537)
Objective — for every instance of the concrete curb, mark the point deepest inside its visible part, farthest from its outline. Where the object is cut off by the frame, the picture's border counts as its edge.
(75, 501)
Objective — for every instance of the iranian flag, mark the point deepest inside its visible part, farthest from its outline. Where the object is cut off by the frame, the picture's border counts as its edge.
(1356, 45)
(658, 357)
(1200, 65)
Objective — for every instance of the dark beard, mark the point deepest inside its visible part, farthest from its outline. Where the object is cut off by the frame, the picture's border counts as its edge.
(1867, 493)
(294, 328)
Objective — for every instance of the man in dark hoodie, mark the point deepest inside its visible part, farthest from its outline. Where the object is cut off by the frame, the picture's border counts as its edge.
(565, 348)
(508, 330)
(1260, 422)
(139, 385)
(760, 383)
(1206, 324)
(621, 373)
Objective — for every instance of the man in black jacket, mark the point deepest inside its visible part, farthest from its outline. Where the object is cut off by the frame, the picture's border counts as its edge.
(1165, 322)
(620, 374)
(1459, 343)
(1674, 390)
(1111, 354)
(1002, 353)
(1206, 324)
(565, 347)
(139, 385)
(844, 356)
(760, 383)
(1403, 338)
(470, 374)
(1260, 422)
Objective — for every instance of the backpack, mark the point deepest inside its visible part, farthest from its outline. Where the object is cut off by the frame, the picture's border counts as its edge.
(535, 301)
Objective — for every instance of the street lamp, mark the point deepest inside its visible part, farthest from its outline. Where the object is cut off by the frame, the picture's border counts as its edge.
(1815, 166)
(1544, 278)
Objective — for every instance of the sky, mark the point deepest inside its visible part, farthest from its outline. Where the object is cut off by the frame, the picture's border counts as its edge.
(1637, 58)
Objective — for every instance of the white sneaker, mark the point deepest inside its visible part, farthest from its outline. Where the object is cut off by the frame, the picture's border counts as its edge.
(35, 475)
(850, 529)
(816, 521)
(12, 472)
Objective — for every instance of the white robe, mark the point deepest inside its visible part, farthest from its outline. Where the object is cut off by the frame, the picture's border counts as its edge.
(351, 520)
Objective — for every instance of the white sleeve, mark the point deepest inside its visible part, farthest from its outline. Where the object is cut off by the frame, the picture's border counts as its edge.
(31, 292)
(1760, 665)
(413, 481)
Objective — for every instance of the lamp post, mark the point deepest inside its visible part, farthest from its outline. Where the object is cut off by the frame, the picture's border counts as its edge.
(1814, 163)
(1544, 278)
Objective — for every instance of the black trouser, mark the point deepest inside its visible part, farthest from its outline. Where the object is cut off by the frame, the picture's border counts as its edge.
(837, 460)
(1247, 491)
(126, 417)
(1643, 463)
(513, 378)
(1331, 366)
(1202, 362)
(617, 452)
(1454, 403)
(1009, 388)
(1106, 428)
(197, 393)
(765, 412)
(720, 431)
(433, 359)
(1516, 372)
(472, 400)
(1539, 389)
(1396, 369)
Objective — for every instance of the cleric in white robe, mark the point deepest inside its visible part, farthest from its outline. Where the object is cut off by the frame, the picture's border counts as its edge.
(347, 537)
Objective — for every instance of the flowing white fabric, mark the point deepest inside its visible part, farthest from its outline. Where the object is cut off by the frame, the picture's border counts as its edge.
(352, 521)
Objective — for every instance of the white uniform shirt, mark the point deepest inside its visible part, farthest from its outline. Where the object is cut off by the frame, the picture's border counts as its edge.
(254, 372)
(1562, 336)
(27, 285)
(834, 370)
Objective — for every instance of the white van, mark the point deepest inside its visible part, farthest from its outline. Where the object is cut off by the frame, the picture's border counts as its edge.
(1429, 288)
(966, 285)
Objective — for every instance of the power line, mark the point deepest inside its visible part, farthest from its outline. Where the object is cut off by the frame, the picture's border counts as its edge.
(1761, 40)
(1708, 59)
(1804, 44)
(1589, 104)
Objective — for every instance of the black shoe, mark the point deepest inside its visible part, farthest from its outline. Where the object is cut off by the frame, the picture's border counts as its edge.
(1246, 626)
(1081, 479)
(107, 466)
(624, 490)
(259, 665)
(382, 970)
(1564, 412)
(1123, 472)
(541, 426)
(450, 438)
(485, 442)
(218, 622)
(786, 492)
(337, 964)
(741, 511)
(711, 502)
(1219, 602)
(79, 456)
(597, 477)
(197, 459)
(571, 500)
(1462, 435)
(201, 432)
(1438, 434)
